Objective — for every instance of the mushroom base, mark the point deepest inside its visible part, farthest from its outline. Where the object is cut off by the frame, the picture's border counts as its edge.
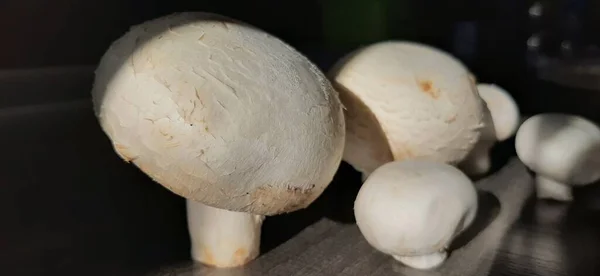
(547, 188)
(423, 262)
(222, 238)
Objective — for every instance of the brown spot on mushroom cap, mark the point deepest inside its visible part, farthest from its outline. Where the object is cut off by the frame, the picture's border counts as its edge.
(451, 119)
(427, 88)
(425, 85)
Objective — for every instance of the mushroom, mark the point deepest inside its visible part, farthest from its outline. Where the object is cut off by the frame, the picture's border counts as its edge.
(502, 119)
(225, 115)
(406, 100)
(413, 209)
(563, 150)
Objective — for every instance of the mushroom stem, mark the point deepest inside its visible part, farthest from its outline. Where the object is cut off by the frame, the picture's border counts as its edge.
(547, 188)
(478, 162)
(423, 262)
(222, 238)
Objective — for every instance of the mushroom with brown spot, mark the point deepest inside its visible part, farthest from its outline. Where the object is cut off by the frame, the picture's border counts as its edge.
(406, 100)
(225, 115)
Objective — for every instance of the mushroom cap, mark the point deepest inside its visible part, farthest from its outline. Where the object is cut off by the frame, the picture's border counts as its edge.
(414, 207)
(563, 147)
(503, 109)
(220, 112)
(406, 100)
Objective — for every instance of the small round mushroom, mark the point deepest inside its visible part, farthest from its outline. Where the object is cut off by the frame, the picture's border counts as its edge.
(502, 119)
(563, 150)
(503, 108)
(413, 209)
(225, 115)
(406, 100)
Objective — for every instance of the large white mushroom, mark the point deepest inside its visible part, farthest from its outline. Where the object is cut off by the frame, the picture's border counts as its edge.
(406, 100)
(502, 119)
(563, 150)
(225, 115)
(412, 210)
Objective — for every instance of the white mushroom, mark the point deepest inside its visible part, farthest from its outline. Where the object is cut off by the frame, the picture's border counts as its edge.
(502, 119)
(563, 150)
(225, 115)
(503, 109)
(406, 100)
(413, 209)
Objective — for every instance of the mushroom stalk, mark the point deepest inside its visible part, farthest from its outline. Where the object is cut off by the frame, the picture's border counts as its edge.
(423, 262)
(547, 188)
(478, 162)
(223, 238)
(501, 122)
(404, 101)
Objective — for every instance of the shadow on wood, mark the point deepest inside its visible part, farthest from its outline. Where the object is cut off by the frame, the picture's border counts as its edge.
(488, 209)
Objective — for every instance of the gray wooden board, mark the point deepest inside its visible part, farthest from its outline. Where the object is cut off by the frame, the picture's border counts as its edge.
(331, 248)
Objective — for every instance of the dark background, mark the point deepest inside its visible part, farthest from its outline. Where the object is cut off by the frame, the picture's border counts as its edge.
(70, 206)
(489, 36)
(64, 32)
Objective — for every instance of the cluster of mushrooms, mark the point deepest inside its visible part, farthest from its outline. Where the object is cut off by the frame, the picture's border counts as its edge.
(244, 126)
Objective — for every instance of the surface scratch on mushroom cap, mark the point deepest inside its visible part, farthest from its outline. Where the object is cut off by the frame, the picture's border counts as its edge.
(220, 112)
(406, 100)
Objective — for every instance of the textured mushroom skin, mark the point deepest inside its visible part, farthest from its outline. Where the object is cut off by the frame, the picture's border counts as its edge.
(220, 112)
(406, 100)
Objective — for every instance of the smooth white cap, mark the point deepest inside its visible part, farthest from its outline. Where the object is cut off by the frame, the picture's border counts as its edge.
(503, 109)
(413, 209)
(406, 100)
(562, 147)
(221, 113)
